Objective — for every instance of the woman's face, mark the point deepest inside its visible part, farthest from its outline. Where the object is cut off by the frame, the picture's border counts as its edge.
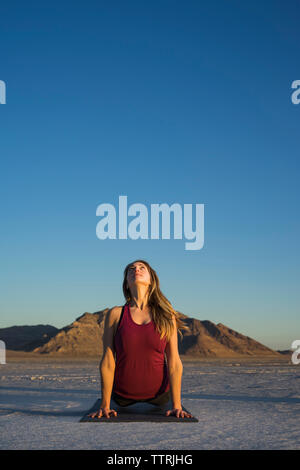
(138, 274)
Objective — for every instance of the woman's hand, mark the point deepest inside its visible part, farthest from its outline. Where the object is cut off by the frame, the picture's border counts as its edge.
(179, 413)
(104, 411)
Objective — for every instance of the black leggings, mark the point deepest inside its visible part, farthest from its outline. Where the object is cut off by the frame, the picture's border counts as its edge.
(159, 400)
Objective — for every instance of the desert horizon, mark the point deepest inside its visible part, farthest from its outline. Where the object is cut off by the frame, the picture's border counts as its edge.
(84, 336)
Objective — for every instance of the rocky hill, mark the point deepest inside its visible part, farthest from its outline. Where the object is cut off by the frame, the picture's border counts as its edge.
(203, 339)
(82, 337)
(26, 337)
(207, 339)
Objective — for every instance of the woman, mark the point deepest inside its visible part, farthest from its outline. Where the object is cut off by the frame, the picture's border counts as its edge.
(138, 334)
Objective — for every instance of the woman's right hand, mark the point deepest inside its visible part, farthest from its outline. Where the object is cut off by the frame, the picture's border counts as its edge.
(104, 411)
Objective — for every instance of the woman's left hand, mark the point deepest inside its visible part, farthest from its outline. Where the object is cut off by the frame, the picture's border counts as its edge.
(179, 413)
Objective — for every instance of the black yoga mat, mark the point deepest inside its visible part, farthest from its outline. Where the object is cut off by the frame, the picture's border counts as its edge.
(140, 411)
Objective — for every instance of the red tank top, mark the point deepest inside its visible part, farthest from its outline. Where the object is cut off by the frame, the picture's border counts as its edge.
(141, 370)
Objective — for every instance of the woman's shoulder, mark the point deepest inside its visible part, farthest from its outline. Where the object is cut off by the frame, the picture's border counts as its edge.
(115, 312)
(114, 315)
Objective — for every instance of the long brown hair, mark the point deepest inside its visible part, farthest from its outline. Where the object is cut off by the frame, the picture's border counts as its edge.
(161, 308)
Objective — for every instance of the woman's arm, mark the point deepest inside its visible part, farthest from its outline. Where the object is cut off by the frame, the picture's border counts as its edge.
(175, 376)
(107, 380)
(175, 367)
(107, 365)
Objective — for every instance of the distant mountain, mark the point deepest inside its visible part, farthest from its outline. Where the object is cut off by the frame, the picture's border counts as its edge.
(203, 339)
(207, 339)
(286, 352)
(26, 338)
(82, 337)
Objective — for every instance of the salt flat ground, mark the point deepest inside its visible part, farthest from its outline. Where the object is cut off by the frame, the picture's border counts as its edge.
(240, 404)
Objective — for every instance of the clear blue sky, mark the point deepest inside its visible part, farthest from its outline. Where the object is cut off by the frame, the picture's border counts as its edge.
(162, 101)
